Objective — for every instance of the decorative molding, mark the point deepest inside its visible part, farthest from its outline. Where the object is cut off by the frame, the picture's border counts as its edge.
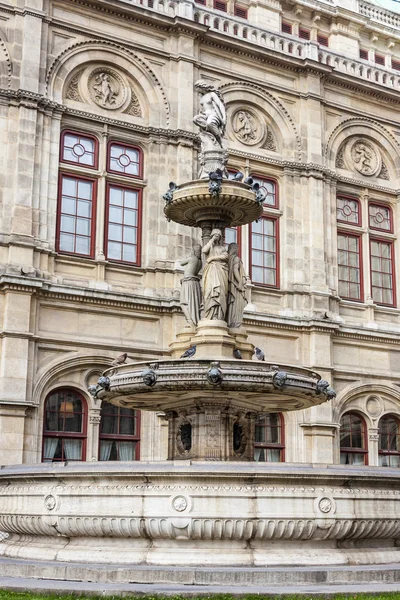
(134, 106)
(8, 62)
(73, 89)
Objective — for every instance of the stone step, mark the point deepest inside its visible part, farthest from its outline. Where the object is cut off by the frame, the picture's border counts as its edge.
(53, 571)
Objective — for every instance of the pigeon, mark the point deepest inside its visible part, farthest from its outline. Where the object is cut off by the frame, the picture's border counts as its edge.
(238, 176)
(119, 360)
(169, 194)
(249, 181)
(189, 352)
(259, 354)
(216, 175)
(237, 353)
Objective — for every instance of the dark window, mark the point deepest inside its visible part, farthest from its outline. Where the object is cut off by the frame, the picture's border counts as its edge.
(123, 224)
(220, 5)
(348, 210)
(245, 33)
(322, 40)
(304, 34)
(349, 263)
(119, 433)
(78, 149)
(268, 438)
(380, 217)
(235, 30)
(363, 54)
(124, 160)
(353, 443)
(389, 441)
(396, 64)
(379, 59)
(286, 27)
(264, 252)
(240, 12)
(64, 426)
(201, 2)
(382, 272)
(76, 215)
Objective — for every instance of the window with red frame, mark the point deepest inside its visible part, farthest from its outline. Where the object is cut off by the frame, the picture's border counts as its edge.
(269, 438)
(123, 224)
(286, 27)
(382, 272)
(264, 252)
(78, 149)
(240, 12)
(379, 59)
(76, 215)
(64, 426)
(124, 159)
(349, 264)
(304, 34)
(220, 5)
(363, 54)
(348, 210)
(119, 433)
(269, 189)
(380, 217)
(353, 440)
(322, 40)
(395, 64)
(389, 441)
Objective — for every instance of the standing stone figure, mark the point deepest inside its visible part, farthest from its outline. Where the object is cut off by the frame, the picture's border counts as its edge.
(215, 278)
(190, 290)
(237, 287)
(212, 117)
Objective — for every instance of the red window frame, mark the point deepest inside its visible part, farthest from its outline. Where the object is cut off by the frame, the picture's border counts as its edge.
(396, 64)
(65, 132)
(379, 59)
(241, 12)
(201, 2)
(270, 180)
(238, 238)
(118, 437)
(363, 54)
(389, 453)
(304, 34)
(138, 228)
(273, 445)
(390, 243)
(67, 434)
(353, 199)
(358, 236)
(220, 5)
(137, 148)
(385, 206)
(323, 40)
(286, 27)
(79, 177)
(275, 219)
(364, 435)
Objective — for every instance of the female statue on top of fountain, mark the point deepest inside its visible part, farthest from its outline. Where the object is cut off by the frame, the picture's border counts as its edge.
(215, 278)
(237, 288)
(212, 117)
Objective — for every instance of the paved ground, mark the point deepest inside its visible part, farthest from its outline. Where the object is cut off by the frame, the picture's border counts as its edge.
(121, 589)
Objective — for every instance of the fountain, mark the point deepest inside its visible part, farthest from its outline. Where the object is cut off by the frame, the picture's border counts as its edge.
(209, 504)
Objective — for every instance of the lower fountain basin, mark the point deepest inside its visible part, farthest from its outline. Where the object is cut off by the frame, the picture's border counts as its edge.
(232, 514)
(173, 384)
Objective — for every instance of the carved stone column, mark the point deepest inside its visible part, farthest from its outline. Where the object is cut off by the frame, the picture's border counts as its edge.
(92, 451)
(373, 446)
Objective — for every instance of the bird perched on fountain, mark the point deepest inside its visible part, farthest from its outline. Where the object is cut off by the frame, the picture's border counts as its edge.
(119, 360)
(237, 353)
(189, 352)
(259, 354)
(249, 181)
(238, 176)
(169, 194)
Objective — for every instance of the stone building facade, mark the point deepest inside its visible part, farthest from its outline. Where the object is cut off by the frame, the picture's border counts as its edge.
(96, 104)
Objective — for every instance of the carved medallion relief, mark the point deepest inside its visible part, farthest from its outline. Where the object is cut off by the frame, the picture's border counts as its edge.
(363, 157)
(251, 129)
(107, 88)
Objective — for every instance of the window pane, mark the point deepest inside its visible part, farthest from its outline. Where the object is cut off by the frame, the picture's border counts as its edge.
(122, 226)
(348, 255)
(114, 251)
(83, 227)
(78, 149)
(347, 210)
(124, 159)
(264, 253)
(68, 224)
(82, 245)
(115, 232)
(380, 217)
(67, 242)
(116, 214)
(381, 272)
(72, 229)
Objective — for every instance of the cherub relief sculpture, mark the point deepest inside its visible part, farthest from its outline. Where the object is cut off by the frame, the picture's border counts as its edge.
(244, 126)
(215, 278)
(212, 117)
(237, 287)
(106, 90)
(190, 291)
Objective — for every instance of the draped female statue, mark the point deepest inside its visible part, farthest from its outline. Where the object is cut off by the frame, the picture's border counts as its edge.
(215, 278)
(190, 291)
(237, 287)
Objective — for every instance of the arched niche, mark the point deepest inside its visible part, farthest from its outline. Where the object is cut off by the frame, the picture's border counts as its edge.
(370, 400)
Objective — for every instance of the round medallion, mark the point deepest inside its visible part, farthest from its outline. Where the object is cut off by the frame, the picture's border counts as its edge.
(78, 149)
(107, 88)
(180, 503)
(374, 407)
(124, 160)
(325, 505)
(365, 158)
(50, 502)
(247, 127)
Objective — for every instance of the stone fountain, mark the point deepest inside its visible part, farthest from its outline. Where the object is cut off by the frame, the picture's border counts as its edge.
(189, 511)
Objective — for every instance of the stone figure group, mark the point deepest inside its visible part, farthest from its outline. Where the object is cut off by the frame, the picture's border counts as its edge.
(221, 293)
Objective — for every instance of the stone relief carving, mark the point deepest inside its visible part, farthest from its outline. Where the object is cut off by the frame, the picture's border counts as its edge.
(180, 503)
(190, 299)
(134, 105)
(246, 126)
(107, 88)
(340, 159)
(269, 143)
(73, 89)
(50, 502)
(365, 158)
(325, 505)
(384, 173)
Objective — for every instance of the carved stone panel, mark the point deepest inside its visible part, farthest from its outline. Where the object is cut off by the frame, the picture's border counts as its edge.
(107, 88)
(365, 157)
(247, 126)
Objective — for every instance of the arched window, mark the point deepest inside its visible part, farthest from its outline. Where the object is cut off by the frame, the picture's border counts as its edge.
(64, 426)
(119, 433)
(269, 438)
(389, 441)
(353, 440)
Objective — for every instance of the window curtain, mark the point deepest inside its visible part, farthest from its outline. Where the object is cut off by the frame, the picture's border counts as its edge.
(73, 449)
(50, 447)
(105, 449)
(126, 450)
